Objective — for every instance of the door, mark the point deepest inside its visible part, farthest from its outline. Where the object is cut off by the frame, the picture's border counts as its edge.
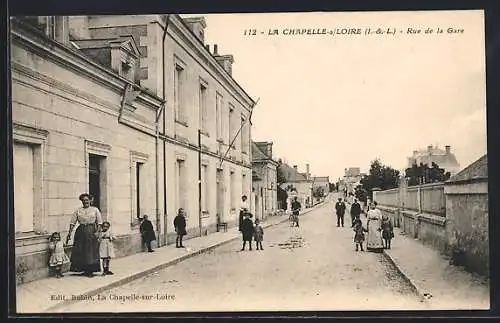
(220, 194)
(94, 180)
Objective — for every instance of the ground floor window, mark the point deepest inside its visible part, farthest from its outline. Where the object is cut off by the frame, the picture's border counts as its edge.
(23, 166)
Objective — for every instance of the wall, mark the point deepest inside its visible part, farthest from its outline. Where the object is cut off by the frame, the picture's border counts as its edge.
(467, 224)
(452, 217)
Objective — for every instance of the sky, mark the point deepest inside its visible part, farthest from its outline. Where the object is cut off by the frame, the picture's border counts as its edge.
(340, 101)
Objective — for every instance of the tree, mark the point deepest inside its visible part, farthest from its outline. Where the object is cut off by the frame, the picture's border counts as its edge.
(423, 174)
(380, 176)
(331, 187)
(280, 174)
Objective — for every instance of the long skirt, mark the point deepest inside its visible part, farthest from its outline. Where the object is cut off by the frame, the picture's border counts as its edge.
(85, 251)
(374, 237)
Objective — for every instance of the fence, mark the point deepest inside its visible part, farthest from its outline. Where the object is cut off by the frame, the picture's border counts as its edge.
(428, 198)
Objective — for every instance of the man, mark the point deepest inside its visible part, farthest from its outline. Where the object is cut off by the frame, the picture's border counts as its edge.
(244, 209)
(180, 227)
(296, 207)
(147, 232)
(355, 211)
(340, 210)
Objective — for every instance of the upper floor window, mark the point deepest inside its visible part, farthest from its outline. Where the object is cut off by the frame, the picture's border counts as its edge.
(203, 107)
(180, 113)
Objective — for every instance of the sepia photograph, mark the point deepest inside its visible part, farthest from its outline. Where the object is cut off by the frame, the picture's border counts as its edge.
(250, 162)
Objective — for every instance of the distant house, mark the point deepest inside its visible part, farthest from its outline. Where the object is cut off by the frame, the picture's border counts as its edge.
(264, 179)
(321, 181)
(352, 178)
(444, 158)
(298, 184)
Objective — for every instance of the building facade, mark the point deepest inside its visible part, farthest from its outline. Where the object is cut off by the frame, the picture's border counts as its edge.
(265, 179)
(78, 126)
(297, 184)
(205, 110)
(115, 106)
(321, 182)
(433, 154)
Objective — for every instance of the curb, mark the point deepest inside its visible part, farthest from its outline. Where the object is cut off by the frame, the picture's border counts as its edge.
(172, 262)
(417, 289)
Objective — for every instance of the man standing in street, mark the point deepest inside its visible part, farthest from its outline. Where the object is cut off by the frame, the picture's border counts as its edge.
(340, 210)
(244, 208)
(147, 232)
(355, 211)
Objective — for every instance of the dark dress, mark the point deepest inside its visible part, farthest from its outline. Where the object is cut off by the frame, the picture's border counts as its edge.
(180, 225)
(387, 229)
(85, 252)
(147, 232)
(247, 229)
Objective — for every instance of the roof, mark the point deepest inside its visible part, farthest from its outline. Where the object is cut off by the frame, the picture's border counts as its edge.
(257, 153)
(441, 160)
(478, 169)
(321, 178)
(291, 174)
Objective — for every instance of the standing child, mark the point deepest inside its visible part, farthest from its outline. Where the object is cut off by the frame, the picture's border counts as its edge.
(387, 231)
(57, 255)
(258, 234)
(359, 235)
(247, 231)
(106, 249)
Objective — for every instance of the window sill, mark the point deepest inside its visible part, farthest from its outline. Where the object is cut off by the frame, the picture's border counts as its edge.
(181, 122)
(32, 235)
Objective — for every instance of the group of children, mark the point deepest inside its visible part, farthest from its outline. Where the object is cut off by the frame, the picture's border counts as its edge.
(58, 256)
(359, 232)
(250, 231)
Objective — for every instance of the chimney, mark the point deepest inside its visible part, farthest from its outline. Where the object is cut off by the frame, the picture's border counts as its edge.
(307, 171)
(270, 150)
(197, 26)
(207, 46)
(295, 167)
(216, 52)
(226, 61)
(448, 149)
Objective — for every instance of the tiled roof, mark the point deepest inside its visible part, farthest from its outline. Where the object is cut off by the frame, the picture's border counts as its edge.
(478, 169)
(291, 174)
(257, 153)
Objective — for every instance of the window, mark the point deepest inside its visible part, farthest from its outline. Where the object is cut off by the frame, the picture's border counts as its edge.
(244, 184)
(180, 113)
(218, 116)
(203, 109)
(232, 188)
(231, 125)
(245, 137)
(138, 183)
(180, 185)
(95, 179)
(97, 174)
(28, 168)
(204, 188)
(242, 134)
(127, 70)
(24, 196)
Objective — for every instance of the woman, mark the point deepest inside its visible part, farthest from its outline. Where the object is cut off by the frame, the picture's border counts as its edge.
(180, 227)
(85, 252)
(374, 224)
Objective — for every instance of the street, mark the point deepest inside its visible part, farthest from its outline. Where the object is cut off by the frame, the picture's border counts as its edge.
(313, 267)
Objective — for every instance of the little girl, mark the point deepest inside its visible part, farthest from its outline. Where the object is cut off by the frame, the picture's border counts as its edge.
(258, 234)
(106, 249)
(359, 235)
(387, 231)
(57, 255)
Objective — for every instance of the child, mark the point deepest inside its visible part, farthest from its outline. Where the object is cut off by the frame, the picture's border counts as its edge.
(387, 231)
(247, 231)
(57, 255)
(258, 234)
(359, 235)
(106, 249)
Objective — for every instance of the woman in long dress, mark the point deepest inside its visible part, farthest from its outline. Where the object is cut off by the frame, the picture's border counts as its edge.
(85, 252)
(374, 224)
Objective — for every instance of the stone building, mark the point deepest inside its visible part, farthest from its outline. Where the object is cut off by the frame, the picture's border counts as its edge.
(264, 179)
(298, 184)
(323, 182)
(201, 97)
(113, 105)
(78, 126)
(444, 158)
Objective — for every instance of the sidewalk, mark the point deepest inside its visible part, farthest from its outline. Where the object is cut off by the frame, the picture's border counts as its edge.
(442, 285)
(48, 294)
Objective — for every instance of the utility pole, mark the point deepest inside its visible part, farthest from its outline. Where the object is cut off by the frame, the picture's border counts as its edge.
(199, 180)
